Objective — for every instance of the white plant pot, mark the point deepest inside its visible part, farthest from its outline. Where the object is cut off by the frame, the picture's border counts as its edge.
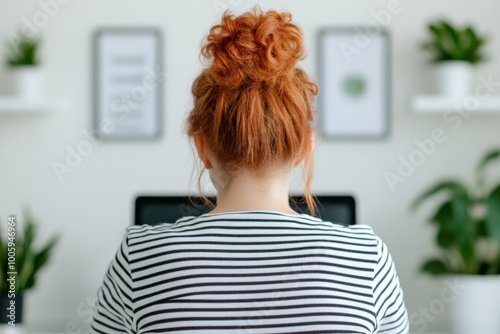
(27, 82)
(454, 78)
(477, 308)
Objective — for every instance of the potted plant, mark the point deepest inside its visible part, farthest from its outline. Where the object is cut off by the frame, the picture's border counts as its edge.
(467, 223)
(22, 59)
(454, 52)
(20, 263)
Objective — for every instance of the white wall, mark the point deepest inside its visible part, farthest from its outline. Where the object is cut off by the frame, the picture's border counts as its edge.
(93, 204)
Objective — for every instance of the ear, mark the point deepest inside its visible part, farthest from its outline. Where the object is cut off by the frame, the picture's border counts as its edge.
(202, 148)
(308, 146)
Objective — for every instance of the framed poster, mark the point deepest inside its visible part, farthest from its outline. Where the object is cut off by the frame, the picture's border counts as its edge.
(127, 85)
(354, 77)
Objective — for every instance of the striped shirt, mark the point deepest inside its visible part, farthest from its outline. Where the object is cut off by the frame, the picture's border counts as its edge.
(250, 272)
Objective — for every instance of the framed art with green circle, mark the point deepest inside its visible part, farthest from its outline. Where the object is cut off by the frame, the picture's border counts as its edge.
(354, 78)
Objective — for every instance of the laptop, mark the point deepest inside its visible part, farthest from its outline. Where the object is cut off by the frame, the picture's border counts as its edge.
(153, 210)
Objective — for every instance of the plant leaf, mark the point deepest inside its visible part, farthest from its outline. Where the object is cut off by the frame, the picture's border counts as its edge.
(481, 167)
(452, 219)
(456, 230)
(451, 40)
(446, 238)
(23, 244)
(29, 260)
(440, 41)
(487, 159)
(481, 228)
(449, 185)
(42, 257)
(25, 272)
(493, 214)
(435, 267)
(451, 43)
(24, 53)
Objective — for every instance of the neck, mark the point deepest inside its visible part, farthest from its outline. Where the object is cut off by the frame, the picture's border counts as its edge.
(247, 191)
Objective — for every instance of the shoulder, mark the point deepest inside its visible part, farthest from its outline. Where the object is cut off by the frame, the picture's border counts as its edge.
(358, 231)
(140, 231)
(360, 239)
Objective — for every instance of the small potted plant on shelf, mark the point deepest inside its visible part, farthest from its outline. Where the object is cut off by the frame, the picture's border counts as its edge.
(454, 52)
(467, 223)
(20, 263)
(23, 62)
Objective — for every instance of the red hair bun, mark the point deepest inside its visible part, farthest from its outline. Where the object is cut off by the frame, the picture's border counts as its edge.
(253, 46)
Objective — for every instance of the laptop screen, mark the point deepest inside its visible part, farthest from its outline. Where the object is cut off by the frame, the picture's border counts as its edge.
(167, 209)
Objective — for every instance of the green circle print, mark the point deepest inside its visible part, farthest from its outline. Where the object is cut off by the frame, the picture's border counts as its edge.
(354, 85)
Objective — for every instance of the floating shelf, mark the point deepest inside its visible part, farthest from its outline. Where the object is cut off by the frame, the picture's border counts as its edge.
(432, 104)
(17, 105)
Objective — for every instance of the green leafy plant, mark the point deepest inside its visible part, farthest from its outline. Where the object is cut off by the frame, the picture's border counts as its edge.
(447, 42)
(23, 51)
(28, 258)
(467, 223)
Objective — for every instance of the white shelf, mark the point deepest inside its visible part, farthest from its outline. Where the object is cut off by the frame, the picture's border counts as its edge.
(431, 104)
(17, 105)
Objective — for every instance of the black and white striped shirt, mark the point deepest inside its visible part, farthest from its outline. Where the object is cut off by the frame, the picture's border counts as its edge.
(250, 272)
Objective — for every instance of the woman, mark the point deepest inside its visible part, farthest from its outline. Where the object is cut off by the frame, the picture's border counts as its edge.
(252, 264)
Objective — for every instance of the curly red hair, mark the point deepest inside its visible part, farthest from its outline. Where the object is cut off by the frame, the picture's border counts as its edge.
(251, 102)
